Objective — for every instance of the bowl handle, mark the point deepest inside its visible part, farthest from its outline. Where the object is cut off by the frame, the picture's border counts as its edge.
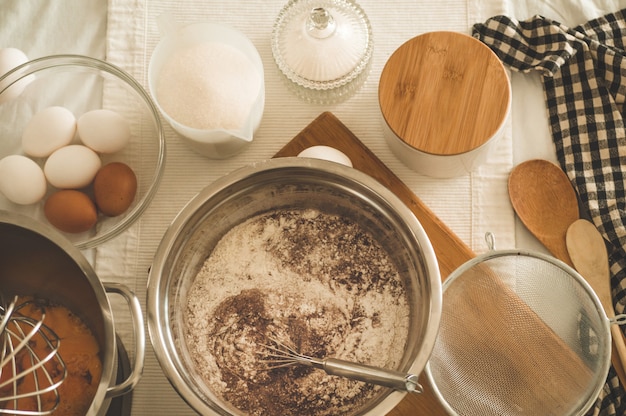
(140, 339)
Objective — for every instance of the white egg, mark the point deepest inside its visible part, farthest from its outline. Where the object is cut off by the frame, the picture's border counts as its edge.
(72, 167)
(9, 59)
(48, 130)
(104, 131)
(326, 153)
(21, 180)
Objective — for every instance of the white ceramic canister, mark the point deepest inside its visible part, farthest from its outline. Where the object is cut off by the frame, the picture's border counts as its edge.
(445, 98)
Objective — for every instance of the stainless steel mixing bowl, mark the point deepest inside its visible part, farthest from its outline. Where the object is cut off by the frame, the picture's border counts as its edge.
(287, 183)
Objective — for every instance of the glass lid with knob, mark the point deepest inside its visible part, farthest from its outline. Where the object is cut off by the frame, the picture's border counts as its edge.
(323, 48)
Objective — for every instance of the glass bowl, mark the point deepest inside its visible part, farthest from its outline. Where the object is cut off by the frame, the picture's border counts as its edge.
(81, 84)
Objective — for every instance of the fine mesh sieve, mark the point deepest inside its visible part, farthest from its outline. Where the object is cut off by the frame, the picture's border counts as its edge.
(521, 334)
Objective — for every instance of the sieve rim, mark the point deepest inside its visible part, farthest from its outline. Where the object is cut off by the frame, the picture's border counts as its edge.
(496, 253)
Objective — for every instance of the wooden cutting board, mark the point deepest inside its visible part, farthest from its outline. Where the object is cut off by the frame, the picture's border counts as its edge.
(451, 252)
(523, 362)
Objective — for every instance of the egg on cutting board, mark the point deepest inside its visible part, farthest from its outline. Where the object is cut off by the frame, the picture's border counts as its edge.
(326, 153)
(21, 180)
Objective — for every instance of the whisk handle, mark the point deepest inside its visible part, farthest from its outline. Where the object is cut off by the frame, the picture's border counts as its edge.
(370, 374)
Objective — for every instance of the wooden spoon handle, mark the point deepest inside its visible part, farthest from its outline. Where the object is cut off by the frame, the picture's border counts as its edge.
(618, 358)
(618, 352)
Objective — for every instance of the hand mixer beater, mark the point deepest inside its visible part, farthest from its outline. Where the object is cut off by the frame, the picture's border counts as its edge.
(31, 369)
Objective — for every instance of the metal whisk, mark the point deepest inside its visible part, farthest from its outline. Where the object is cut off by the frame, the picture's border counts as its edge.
(277, 355)
(31, 369)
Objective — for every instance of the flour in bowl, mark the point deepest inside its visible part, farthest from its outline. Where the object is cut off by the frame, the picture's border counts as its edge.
(312, 280)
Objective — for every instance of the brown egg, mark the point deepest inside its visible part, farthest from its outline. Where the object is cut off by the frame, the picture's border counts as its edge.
(114, 187)
(70, 211)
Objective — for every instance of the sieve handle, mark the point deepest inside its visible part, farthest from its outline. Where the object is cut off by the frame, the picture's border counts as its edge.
(395, 379)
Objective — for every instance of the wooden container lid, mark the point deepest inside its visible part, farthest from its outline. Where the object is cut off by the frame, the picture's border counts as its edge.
(444, 93)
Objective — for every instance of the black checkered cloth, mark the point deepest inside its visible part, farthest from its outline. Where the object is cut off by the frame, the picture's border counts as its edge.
(583, 70)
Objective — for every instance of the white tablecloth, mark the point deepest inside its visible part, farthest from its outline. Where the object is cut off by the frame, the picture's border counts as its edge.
(125, 33)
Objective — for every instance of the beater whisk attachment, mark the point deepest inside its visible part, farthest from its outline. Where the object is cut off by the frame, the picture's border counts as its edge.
(31, 370)
(276, 355)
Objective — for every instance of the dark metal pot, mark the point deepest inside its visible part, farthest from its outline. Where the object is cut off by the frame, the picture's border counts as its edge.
(36, 260)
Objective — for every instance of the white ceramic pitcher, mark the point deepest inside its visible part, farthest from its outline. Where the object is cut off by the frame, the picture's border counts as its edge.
(216, 143)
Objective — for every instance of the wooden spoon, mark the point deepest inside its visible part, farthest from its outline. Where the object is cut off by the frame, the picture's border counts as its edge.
(545, 201)
(588, 253)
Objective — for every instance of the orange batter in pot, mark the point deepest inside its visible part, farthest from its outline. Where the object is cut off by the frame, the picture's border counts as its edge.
(78, 349)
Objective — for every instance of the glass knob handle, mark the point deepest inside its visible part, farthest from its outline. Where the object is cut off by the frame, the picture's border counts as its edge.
(320, 23)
